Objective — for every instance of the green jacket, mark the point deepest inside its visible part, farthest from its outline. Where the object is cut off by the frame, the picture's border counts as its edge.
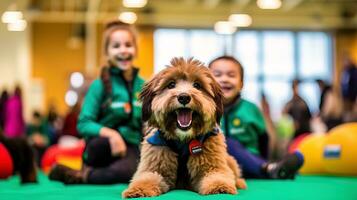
(95, 115)
(244, 122)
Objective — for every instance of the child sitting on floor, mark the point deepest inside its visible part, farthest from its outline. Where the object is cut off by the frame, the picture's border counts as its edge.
(244, 127)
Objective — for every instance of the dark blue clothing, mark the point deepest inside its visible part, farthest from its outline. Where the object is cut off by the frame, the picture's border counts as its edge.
(349, 83)
(250, 164)
(244, 127)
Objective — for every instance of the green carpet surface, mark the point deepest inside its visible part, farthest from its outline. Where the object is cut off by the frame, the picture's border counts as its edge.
(302, 188)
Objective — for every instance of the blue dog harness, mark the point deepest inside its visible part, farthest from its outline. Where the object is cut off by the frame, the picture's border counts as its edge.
(183, 149)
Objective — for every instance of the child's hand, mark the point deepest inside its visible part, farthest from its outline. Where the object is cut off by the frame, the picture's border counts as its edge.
(117, 144)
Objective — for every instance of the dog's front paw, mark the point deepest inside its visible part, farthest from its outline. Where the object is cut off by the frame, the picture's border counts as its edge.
(215, 184)
(241, 184)
(148, 185)
(141, 190)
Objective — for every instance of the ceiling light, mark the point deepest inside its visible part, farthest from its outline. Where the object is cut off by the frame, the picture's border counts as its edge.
(11, 16)
(134, 3)
(18, 25)
(224, 27)
(128, 17)
(269, 4)
(71, 98)
(240, 20)
(76, 79)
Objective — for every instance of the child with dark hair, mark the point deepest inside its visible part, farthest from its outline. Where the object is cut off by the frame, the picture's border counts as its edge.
(110, 119)
(244, 127)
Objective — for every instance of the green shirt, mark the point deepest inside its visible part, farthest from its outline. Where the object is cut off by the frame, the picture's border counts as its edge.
(245, 123)
(115, 115)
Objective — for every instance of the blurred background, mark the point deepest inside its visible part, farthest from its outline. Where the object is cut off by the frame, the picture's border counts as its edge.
(51, 48)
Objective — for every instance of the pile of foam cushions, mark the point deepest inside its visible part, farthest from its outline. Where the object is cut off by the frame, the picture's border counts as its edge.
(67, 152)
(332, 153)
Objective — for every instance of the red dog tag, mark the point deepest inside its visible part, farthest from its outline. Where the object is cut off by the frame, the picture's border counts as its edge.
(195, 147)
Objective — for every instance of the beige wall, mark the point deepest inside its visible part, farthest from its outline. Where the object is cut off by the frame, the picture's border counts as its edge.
(345, 43)
(54, 61)
(15, 63)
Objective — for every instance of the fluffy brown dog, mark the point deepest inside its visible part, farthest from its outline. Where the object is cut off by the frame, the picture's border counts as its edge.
(182, 106)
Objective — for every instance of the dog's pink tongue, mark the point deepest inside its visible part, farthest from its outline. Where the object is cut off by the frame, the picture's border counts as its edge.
(184, 117)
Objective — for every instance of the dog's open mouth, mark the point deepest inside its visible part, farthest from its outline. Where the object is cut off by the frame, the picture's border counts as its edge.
(184, 118)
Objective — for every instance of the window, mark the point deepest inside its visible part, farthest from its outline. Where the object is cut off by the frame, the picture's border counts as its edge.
(271, 59)
(203, 45)
(278, 54)
(278, 92)
(246, 51)
(168, 44)
(314, 53)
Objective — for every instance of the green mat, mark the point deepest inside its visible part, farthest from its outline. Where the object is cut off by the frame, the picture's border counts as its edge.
(302, 188)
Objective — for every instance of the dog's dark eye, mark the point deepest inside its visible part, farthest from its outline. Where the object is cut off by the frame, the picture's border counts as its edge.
(197, 86)
(171, 85)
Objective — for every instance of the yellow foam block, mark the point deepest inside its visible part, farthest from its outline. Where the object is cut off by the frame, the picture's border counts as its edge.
(69, 161)
(340, 150)
(311, 147)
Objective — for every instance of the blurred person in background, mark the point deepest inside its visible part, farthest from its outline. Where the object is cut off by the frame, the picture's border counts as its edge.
(17, 158)
(37, 132)
(54, 123)
(70, 121)
(324, 89)
(271, 130)
(110, 119)
(285, 130)
(332, 110)
(297, 108)
(14, 125)
(3, 98)
(351, 116)
(349, 83)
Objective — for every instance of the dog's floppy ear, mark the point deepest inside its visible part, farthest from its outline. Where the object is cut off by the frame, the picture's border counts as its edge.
(218, 99)
(146, 96)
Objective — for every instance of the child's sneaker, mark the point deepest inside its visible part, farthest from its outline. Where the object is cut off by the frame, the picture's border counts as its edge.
(286, 168)
(66, 175)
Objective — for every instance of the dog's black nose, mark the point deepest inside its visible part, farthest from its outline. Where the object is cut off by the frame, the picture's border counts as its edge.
(184, 98)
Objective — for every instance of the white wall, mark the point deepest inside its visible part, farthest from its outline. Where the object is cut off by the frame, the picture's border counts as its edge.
(15, 58)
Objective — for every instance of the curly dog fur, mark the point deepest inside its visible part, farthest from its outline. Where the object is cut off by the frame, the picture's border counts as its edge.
(184, 102)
